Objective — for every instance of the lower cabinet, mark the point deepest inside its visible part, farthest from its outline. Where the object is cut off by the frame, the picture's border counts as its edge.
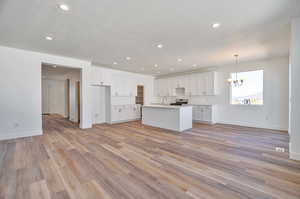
(123, 113)
(204, 113)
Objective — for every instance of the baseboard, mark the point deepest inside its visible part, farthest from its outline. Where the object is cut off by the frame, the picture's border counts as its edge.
(295, 156)
(245, 124)
(19, 134)
(123, 121)
(204, 122)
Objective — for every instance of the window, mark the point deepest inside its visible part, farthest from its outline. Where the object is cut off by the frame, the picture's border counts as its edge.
(251, 91)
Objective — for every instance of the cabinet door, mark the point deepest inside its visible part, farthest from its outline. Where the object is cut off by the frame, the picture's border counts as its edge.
(161, 88)
(209, 83)
(193, 84)
(172, 86)
(194, 112)
(156, 87)
(106, 77)
(198, 113)
(187, 85)
(207, 114)
(93, 76)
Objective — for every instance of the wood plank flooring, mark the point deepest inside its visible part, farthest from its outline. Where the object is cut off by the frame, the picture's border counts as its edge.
(132, 161)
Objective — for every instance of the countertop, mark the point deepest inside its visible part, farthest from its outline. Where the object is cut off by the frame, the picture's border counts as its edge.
(165, 106)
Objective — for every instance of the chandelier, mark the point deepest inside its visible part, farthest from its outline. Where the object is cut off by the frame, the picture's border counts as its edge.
(235, 81)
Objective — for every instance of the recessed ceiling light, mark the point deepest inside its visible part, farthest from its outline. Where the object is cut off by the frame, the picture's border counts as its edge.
(155, 65)
(64, 7)
(160, 46)
(216, 25)
(49, 38)
(54, 66)
(128, 58)
(194, 65)
(179, 60)
(115, 63)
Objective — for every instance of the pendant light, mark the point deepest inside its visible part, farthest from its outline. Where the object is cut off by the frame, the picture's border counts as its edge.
(236, 82)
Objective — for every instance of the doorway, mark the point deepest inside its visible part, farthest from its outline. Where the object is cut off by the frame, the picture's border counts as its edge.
(61, 90)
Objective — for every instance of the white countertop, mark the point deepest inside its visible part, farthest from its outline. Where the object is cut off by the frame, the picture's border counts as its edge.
(165, 106)
(202, 104)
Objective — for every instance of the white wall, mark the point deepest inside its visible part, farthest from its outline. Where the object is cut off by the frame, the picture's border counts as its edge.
(273, 114)
(295, 91)
(20, 92)
(54, 97)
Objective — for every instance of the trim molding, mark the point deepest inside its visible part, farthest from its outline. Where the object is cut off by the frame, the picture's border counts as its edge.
(295, 156)
(245, 124)
(123, 121)
(7, 135)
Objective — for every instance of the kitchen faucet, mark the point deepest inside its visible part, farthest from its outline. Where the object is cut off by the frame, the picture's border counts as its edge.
(164, 100)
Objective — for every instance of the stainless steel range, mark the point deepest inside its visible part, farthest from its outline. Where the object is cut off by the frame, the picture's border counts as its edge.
(180, 102)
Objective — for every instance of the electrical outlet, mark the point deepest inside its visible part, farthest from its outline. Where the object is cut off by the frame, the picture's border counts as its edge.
(280, 149)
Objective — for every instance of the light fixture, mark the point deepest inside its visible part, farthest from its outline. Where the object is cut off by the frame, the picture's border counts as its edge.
(236, 82)
(49, 38)
(160, 46)
(64, 7)
(179, 60)
(194, 65)
(115, 63)
(54, 66)
(155, 65)
(216, 25)
(128, 58)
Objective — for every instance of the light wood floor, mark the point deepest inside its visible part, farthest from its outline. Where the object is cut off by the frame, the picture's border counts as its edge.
(130, 160)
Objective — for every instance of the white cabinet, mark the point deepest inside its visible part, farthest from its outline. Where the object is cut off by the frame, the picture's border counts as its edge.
(210, 83)
(193, 84)
(99, 76)
(156, 88)
(105, 77)
(199, 84)
(171, 87)
(204, 113)
(123, 86)
(123, 113)
(187, 85)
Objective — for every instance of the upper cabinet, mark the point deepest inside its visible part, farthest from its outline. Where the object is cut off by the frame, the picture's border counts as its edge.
(199, 84)
(99, 76)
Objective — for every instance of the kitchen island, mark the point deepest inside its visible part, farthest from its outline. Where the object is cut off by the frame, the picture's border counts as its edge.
(176, 118)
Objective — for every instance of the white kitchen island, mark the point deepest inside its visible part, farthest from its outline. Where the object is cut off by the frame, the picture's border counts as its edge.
(176, 118)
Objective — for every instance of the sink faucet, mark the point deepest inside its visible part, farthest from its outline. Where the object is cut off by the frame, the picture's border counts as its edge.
(164, 100)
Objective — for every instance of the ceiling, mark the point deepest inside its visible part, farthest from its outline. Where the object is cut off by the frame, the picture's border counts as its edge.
(107, 31)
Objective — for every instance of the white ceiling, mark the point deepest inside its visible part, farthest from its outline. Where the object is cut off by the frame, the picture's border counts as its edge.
(107, 31)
